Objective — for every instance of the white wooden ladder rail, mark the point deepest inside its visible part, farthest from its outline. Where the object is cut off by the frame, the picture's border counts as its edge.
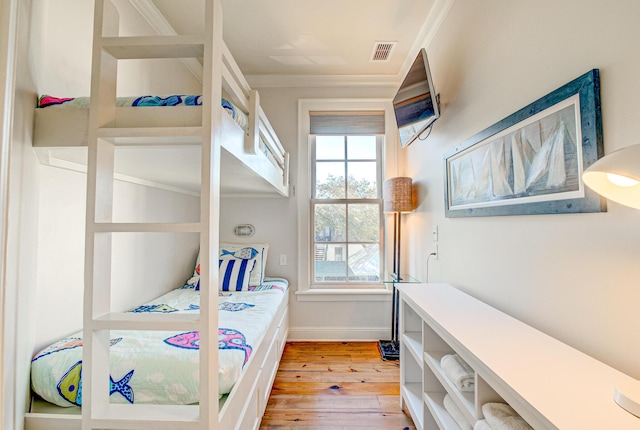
(104, 136)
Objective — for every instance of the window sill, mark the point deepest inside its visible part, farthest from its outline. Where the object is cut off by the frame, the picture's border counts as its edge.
(344, 295)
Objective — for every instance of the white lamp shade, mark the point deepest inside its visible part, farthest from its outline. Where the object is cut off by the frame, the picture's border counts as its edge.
(616, 176)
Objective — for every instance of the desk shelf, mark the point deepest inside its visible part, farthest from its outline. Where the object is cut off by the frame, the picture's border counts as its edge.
(542, 387)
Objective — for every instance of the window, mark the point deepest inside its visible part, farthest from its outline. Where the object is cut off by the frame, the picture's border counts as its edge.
(346, 208)
(343, 155)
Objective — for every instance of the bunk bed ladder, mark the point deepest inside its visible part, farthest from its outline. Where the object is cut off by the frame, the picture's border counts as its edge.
(103, 137)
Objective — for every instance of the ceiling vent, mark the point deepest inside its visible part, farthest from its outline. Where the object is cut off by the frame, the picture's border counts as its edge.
(382, 51)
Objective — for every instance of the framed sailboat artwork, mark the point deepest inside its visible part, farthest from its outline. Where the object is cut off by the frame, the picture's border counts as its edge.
(532, 161)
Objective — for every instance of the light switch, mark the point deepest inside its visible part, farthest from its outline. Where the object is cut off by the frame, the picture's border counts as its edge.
(283, 259)
(434, 233)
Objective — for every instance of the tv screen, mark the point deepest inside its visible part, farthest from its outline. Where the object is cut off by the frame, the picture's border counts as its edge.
(415, 105)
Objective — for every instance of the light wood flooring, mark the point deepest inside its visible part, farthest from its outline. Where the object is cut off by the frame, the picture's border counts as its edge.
(335, 386)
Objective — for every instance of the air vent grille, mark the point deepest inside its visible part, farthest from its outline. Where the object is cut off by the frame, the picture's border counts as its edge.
(382, 51)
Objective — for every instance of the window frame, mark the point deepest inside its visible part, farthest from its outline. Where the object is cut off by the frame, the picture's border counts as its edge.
(306, 289)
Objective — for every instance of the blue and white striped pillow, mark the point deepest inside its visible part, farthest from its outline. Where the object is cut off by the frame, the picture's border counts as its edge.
(234, 274)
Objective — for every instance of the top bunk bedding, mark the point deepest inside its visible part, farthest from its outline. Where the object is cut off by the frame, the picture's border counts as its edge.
(254, 161)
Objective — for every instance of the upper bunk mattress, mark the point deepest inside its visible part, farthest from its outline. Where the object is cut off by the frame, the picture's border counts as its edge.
(162, 367)
(241, 118)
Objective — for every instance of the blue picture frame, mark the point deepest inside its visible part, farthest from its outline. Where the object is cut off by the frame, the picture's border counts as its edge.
(532, 161)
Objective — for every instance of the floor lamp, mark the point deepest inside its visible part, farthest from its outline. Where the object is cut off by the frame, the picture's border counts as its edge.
(397, 199)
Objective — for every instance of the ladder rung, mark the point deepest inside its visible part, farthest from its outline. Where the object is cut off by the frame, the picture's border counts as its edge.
(142, 47)
(147, 321)
(140, 227)
(157, 417)
(151, 135)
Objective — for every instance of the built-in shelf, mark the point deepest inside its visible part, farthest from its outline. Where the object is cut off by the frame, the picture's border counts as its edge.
(541, 378)
(411, 392)
(435, 404)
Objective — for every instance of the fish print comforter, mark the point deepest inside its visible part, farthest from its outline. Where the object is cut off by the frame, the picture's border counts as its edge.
(162, 367)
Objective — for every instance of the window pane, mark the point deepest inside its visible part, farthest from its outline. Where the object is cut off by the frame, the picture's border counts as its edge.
(361, 148)
(364, 223)
(362, 180)
(330, 262)
(330, 180)
(330, 223)
(364, 262)
(329, 147)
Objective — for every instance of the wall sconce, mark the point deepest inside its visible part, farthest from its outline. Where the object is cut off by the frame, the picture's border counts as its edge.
(616, 176)
(244, 230)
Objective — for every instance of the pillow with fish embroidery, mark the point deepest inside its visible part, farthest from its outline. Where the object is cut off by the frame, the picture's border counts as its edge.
(248, 251)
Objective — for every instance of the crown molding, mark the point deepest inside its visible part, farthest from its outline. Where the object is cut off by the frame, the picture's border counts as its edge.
(431, 25)
(293, 81)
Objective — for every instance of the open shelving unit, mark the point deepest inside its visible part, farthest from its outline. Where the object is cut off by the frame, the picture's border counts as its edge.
(541, 378)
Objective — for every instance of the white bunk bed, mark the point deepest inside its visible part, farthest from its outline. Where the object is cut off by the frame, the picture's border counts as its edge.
(229, 161)
(254, 162)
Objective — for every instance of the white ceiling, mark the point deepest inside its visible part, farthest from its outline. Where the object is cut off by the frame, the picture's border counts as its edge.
(300, 38)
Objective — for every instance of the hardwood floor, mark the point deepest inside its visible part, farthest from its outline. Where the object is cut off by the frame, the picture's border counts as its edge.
(335, 386)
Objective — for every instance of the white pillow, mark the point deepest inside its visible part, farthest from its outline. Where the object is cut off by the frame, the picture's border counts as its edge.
(250, 251)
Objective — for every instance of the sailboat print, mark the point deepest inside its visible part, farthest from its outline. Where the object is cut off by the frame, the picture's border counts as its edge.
(557, 163)
(501, 187)
(519, 172)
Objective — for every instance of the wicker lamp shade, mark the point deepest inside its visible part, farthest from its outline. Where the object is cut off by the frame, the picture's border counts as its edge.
(396, 194)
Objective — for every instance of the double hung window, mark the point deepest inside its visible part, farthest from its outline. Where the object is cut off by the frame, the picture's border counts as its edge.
(346, 200)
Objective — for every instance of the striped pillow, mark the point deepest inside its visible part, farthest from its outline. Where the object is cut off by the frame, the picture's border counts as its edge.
(234, 274)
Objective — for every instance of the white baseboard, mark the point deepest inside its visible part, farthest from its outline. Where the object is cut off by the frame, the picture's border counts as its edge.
(337, 333)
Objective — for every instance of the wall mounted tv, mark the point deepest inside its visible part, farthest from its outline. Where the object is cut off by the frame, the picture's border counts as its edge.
(416, 103)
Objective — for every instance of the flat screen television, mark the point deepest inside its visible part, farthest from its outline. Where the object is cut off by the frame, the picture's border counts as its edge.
(416, 103)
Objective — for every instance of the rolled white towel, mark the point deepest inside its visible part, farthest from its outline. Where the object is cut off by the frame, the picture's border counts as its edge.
(482, 425)
(501, 416)
(458, 372)
(456, 414)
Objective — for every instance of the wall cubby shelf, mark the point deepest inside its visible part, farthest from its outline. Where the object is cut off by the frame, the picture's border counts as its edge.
(550, 384)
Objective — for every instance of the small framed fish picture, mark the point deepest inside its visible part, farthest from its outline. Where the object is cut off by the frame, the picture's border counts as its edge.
(532, 161)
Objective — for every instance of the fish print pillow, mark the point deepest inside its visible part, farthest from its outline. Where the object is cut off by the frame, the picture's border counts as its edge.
(237, 251)
(248, 251)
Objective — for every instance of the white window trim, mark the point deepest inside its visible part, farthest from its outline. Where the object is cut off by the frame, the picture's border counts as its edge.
(305, 291)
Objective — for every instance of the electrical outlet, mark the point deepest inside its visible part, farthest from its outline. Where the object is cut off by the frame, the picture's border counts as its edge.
(435, 257)
(434, 233)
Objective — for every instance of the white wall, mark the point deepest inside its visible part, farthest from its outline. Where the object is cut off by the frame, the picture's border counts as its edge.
(573, 276)
(276, 223)
(22, 216)
(143, 267)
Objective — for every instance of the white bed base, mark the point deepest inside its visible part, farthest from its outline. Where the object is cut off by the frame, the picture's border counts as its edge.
(242, 409)
(60, 140)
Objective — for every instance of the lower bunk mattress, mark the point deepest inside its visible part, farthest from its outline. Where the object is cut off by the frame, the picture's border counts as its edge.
(161, 367)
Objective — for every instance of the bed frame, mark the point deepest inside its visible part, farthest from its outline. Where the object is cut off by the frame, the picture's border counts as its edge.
(229, 162)
(242, 409)
(60, 140)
